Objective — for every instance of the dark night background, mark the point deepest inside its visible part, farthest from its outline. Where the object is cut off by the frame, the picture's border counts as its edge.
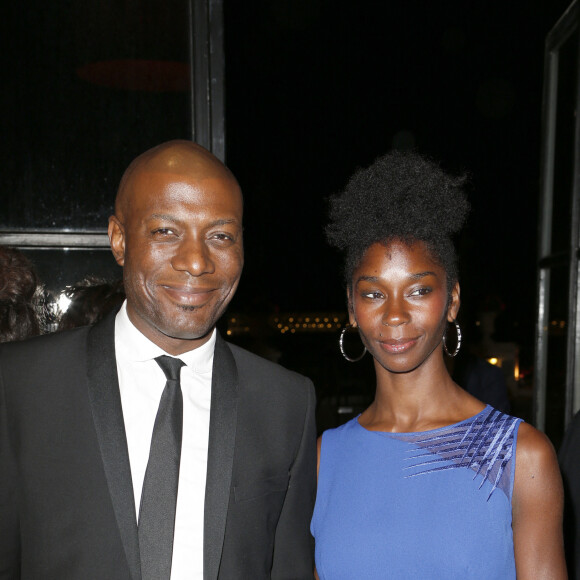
(317, 88)
(314, 90)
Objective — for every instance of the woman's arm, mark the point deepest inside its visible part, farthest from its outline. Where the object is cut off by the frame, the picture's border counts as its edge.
(537, 506)
(318, 445)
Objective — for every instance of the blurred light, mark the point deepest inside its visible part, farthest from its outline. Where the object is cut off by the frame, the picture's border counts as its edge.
(63, 302)
(493, 360)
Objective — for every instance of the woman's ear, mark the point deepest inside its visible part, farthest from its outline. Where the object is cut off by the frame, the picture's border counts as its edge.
(351, 317)
(454, 303)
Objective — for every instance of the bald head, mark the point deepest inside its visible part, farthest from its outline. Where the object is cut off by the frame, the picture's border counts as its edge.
(178, 158)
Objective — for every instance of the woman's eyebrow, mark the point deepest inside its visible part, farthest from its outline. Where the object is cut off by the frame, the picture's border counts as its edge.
(420, 275)
(366, 279)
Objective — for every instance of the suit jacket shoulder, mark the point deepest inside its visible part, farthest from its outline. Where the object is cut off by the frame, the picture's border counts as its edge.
(35, 366)
(260, 369)
(44, 347)
(55, 495)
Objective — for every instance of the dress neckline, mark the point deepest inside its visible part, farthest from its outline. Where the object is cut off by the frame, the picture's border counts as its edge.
(485, 411)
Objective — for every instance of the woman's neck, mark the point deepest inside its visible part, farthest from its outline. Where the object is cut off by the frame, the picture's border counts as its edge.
(421, 400)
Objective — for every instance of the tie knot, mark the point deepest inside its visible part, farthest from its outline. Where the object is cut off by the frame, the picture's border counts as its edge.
(170, 366)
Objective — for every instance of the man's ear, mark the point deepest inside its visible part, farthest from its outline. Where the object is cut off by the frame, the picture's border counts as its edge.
(117, 239)
(454, 303)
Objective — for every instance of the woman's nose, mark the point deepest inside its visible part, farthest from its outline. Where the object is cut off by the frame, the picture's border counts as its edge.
(395, 313)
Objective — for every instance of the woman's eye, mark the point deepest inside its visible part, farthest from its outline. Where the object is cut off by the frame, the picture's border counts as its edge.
(372, 295)
(421, 291)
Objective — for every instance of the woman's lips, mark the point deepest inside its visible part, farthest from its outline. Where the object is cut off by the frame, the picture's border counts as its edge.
(398, 346)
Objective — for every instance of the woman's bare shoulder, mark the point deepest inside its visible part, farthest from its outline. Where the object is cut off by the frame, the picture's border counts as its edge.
(534, 449)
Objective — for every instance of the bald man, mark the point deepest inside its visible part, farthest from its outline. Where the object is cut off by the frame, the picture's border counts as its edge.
(85, 492)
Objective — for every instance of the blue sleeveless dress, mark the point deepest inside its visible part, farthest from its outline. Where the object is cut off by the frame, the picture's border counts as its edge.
(428, 505)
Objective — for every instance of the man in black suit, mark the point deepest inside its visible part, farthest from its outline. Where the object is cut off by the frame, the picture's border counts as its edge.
(96, 440)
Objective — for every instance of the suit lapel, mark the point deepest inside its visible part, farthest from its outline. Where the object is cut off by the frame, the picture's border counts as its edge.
(222, 435)
(105, 401)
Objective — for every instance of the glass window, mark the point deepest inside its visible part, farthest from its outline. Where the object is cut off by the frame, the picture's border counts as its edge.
(86, 87)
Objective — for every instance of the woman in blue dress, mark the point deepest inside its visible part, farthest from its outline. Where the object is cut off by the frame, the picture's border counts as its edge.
(428, 482)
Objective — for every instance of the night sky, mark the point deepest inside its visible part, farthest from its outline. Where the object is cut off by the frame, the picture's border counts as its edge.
(317, 88)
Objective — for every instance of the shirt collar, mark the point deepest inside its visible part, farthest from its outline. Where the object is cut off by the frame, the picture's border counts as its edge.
(133, 345)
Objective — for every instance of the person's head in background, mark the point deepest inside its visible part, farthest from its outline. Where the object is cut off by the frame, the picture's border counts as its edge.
(90, 301)
(19, 316)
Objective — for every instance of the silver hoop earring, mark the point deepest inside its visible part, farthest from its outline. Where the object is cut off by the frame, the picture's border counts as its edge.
(458, 346)
(340, 344)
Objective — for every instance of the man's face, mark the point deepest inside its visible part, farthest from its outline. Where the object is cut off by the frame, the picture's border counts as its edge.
(179, 240)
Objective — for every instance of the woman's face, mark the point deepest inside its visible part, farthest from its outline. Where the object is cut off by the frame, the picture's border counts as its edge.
(399, 301)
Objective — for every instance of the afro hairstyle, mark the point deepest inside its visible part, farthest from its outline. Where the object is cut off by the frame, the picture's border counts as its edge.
(401, 196)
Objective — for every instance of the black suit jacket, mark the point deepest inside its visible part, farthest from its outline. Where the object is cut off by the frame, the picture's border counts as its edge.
(66, 499)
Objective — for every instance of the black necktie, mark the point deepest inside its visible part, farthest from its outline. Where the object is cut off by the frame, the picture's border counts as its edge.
(159, 495)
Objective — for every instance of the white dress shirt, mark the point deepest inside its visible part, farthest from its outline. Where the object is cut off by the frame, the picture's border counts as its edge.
(141, 382)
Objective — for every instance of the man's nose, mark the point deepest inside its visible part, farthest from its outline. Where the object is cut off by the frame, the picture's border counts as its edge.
(193, 256)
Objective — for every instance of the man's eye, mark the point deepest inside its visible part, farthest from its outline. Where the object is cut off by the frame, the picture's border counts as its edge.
(162, 232)
(223, 237)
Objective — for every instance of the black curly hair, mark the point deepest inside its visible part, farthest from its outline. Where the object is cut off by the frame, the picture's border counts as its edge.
(91, 299)
(19, 284)
(401, 196)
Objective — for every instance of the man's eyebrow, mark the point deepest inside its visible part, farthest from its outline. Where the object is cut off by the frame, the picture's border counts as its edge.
(223, 222)
(170, 218)
(162, 216)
